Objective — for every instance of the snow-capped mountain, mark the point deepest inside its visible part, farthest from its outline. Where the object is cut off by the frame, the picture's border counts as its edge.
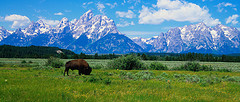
(36, 28)
(4, 33)
(95, 27)
(64, 26)
(17, 38)
(76, 35)
(99, 34)
(195, 38)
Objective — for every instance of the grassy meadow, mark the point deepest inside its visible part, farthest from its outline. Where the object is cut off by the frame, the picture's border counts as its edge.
(23, 82)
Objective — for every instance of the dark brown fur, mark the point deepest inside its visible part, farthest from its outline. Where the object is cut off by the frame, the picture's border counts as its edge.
(78, 64)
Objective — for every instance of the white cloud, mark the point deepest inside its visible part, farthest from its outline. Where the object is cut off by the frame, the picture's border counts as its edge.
(124, 1)
(100, 7)
(18, 20)
(221, 6)
(166, 10)
(128, 14)
(67, 11)
(49, 22)
(59, 13)
(131, 7)
(232, 19)
(84, 5)
(87, 3)
(111, 5)
(1, 18)
(134, 1)
(125, 23)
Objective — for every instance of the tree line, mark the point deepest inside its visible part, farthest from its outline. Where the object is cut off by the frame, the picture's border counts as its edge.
(8, 51)
(190, 57)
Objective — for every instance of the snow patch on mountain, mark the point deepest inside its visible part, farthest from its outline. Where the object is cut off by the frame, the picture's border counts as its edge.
(194, 38)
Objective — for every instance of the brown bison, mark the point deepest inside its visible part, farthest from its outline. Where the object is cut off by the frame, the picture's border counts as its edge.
(78, 64)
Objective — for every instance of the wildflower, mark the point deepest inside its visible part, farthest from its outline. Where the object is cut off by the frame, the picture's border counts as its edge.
(168, 81)
(117, 69)
(5, 80)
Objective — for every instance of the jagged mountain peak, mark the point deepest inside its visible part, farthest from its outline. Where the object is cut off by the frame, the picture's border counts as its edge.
(201, 24)
(95, 27)
(19, 30)
(4, 33)
(99, 34)
(63, 23)
(38, 27)
(86, 17)
(40, 22)
(195, 38)
(221, 26)
(88, 12)
(64, 19)
(74, 21)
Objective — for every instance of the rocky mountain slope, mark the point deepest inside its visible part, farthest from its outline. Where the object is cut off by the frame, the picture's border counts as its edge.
(76, 35)
(99, 34)
(194, 38)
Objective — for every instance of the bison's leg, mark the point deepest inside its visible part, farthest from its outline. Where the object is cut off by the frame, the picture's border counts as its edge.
(79, 72)
(66, 70)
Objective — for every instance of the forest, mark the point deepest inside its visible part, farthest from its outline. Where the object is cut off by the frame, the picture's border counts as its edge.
(8, 51)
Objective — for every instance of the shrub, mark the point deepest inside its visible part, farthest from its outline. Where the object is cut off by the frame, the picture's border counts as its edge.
(194, 79)
(107, 81)
(157, 66)
(23, 61)
(233, 79)
(164, 74)
(98, 66)
(92, 79)
(144, 75)
(2, 64)
(30, 62)
(224, 70)
(54, 62)
(129, 62)
(194, 66)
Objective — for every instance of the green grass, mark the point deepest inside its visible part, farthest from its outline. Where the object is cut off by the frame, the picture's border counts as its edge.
(92, 62)
(22, 83)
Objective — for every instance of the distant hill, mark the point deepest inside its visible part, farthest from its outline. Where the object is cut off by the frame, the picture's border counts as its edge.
(8, 51)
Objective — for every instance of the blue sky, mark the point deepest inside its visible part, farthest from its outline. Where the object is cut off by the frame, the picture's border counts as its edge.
(144, 18)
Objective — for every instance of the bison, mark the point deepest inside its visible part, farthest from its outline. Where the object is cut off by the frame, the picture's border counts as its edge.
(78, 64)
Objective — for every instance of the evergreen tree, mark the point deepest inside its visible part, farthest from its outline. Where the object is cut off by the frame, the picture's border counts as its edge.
(96, 56)
(144, 57)
(82, 56)
(75, 56)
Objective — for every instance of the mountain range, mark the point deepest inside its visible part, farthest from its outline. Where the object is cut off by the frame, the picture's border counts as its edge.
(197, 38)
(99, 34)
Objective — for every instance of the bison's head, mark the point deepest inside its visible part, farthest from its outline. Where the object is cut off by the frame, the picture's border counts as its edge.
(88, 71)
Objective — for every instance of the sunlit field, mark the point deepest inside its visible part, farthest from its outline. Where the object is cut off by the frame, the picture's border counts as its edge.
(23, 82)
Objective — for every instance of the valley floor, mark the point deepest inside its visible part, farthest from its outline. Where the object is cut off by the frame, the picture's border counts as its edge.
(23, 82)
